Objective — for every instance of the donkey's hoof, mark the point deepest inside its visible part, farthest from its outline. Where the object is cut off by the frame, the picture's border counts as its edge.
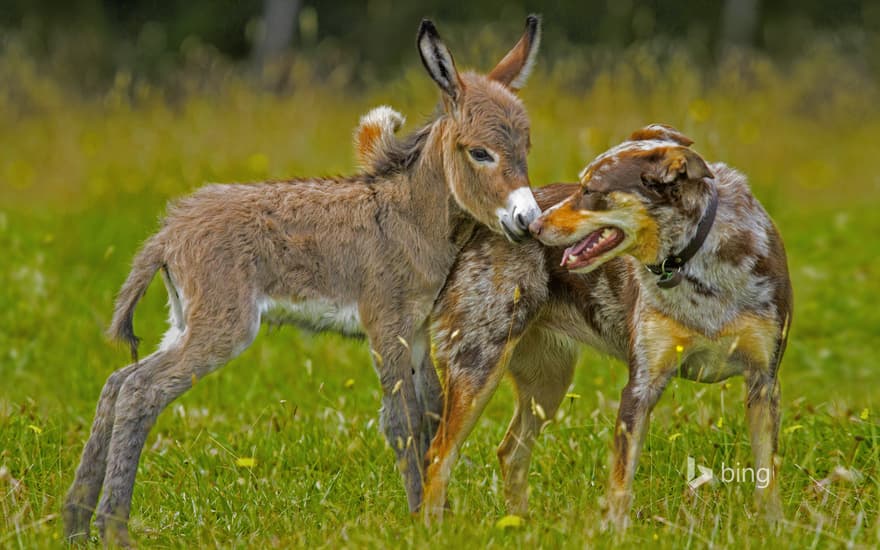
(76, 522)
(114, 533)
(117, 538)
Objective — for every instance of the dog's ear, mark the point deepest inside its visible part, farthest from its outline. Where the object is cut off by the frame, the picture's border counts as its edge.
(661, 132)
(676, 164)
(514, 69)
(439, 63)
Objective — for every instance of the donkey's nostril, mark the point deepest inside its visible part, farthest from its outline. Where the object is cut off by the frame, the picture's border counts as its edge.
(521, 222)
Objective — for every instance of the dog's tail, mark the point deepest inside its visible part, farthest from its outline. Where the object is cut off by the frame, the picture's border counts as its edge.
(145, 265)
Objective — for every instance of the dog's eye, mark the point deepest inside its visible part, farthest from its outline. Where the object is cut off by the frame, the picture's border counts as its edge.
(481, 155)
(647, 181)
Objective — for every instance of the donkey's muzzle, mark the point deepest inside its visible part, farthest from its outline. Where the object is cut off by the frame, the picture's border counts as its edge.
(522, 210)
(521, 222)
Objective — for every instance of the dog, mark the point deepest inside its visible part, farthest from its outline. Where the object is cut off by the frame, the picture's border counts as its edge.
(657, 258)
(707, 292)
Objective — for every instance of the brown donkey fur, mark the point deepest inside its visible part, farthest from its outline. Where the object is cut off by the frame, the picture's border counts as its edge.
(368, 253)
(521, 310)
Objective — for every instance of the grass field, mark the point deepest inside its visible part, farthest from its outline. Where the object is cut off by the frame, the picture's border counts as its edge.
(83, 181)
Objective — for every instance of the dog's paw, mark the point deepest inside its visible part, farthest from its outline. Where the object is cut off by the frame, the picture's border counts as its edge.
(769, 506)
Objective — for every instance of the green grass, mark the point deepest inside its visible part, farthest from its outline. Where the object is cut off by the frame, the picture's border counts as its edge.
(82, 182)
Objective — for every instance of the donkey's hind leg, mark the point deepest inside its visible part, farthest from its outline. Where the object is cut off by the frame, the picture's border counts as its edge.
(83, 494)
(166, 375)
(79, 505)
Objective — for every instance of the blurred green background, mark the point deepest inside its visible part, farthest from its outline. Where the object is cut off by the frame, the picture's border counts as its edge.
(110, 109)
(150, 38)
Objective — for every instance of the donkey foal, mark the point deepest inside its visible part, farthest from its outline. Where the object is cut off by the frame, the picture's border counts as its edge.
(366, 254)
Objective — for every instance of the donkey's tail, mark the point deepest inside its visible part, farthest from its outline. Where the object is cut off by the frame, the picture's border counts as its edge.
(148, 261)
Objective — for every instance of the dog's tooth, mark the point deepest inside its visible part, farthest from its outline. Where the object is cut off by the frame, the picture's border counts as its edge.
(572, 258)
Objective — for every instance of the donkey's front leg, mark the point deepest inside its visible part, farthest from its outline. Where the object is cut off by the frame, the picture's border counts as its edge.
(391, 343)
(428, 390)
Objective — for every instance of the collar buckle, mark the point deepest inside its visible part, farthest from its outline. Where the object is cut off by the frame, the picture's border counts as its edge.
(670, 275)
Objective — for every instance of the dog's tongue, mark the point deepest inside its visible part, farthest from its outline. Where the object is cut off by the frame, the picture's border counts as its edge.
(576, 249)
(595, 244)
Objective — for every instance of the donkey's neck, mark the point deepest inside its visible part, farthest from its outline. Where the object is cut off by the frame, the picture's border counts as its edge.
(431, 189)
(430, 195)
(436, 226)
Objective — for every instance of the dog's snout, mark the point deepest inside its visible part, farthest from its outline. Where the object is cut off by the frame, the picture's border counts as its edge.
(536, 227)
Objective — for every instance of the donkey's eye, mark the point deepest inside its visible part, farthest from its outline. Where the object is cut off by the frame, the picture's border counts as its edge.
(480, 155)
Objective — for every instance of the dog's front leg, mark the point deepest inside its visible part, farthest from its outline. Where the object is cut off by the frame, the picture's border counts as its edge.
(541, 367)
(470, 377)
(637, 400)
(471, 360)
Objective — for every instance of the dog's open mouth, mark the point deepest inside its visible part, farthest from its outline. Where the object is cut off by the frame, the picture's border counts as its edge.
(591, 247)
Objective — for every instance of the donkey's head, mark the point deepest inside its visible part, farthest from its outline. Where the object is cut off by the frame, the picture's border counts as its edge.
(485, 136)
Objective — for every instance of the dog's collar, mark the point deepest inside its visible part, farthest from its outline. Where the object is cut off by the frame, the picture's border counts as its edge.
(669, 270)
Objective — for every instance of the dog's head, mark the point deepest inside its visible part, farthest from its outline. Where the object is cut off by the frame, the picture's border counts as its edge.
(637, 198)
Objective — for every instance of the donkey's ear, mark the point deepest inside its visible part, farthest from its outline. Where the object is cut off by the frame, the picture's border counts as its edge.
(514, 69)
(438, 61)
(661, 132)
(678, 163)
